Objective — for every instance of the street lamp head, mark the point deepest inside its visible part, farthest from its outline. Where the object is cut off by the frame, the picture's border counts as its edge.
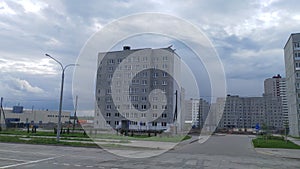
(47, 54)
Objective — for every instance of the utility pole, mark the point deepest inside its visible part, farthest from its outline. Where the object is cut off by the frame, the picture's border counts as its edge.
(285, 130)
(63, 68)
(175, 113)
(75, 117)
(2, 111)
(199, 116)
(0, 114)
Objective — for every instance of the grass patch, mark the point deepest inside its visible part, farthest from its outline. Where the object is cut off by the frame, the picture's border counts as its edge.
(44, 141)
(274, 142)
(82, 137)
(52, 141)
(42, 133)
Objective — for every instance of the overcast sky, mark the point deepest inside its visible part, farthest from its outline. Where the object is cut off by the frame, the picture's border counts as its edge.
(248, 35)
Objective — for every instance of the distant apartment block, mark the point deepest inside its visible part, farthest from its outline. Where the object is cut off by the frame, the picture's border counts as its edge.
(136, 88)
(196, 111)
(292, 69)
(247, 112)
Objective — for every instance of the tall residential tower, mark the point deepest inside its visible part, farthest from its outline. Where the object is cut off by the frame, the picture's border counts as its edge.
(292, 69)
(276, 87)
(137, 88)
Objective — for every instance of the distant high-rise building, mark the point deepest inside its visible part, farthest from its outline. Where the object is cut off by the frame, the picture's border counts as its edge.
(276, 87)
(196, 111)
(135, 88)
(292, 69)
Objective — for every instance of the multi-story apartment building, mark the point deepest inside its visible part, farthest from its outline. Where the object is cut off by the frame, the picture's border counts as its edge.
(196, 111)
(276, 87)
(292, 70)
(204, 107)
(247, 112)
(137, 88)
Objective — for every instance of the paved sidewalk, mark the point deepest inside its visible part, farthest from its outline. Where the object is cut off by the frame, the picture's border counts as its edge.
(294, 140)
(277, 152)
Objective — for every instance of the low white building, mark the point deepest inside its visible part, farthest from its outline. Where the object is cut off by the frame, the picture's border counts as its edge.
(18, 115)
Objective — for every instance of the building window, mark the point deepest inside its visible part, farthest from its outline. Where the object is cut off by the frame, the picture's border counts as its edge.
(164, 74)
(144, 82)
(119, 61)
(163, 123)
(154, 123)
(154, 107)
(128, 67)
(164, 115)
(110, 61)
(164, 82)
(135, 81)
(155, 99)
(136, 106)
(117, 114)
(154, 115)
(108, 122)
(144, 74)
(116, 123)
(137, 67)
(108, 91)
(110, 68)
(108, 99)
(108, 107)
(155, 74)
(144, 98)
(144, 107)
(132, 90)
(108, 114)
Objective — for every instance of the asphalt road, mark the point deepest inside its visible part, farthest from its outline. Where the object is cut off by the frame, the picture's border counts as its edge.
(228, 145)
(218, 152)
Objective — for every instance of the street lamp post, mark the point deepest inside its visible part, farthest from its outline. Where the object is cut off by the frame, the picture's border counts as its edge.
(63, 68)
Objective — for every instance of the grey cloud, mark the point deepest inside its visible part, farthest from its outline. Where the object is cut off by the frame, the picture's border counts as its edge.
(234, 27)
